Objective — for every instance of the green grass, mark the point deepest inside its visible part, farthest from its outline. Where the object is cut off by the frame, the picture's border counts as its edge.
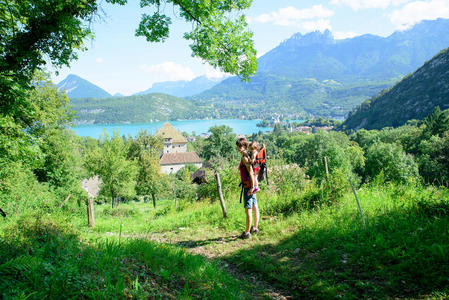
(325, 252)
(403, 251)
(322, 253)
(48, 259)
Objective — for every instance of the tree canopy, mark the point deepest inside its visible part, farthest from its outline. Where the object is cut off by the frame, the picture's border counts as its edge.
(36, 32)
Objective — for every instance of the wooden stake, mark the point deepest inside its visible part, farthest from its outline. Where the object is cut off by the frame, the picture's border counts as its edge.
(90, 212)
(220, 194)
(325, 167)
(65, 200)
(358, 203)
(174, 195)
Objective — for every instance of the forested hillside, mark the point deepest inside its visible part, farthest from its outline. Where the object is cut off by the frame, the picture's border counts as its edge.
(134, 109)
(414, 97)
(267, 94)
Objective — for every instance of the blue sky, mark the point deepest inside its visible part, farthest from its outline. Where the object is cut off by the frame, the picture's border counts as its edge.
(118, 61)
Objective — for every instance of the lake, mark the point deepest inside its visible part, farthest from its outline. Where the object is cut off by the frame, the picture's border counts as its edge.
(198, 126)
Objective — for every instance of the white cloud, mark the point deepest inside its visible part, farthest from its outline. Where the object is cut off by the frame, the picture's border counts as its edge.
(291, 16)
(169, 71)
(212, 73)
(364, 4)
(261, 53)
(417, 11)
(99, 60)
(320, 24)
(341, 35)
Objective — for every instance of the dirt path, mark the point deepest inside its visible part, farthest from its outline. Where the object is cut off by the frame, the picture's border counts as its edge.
(210, 248)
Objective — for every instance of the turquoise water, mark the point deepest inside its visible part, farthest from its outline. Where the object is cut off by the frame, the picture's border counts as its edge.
(190, 126)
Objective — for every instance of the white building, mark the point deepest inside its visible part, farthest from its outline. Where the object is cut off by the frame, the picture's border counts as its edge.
(174, 155)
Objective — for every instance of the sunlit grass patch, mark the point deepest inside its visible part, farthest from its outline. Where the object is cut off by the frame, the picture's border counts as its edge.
(402, 252)
(44, 257)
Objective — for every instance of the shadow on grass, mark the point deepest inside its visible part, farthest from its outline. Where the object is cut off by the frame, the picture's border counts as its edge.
(199, 243)
(401, 254)
(46, 259)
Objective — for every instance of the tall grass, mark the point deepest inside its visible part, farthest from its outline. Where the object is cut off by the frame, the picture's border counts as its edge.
(43, 257)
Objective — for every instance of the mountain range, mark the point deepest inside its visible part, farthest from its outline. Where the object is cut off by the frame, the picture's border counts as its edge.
(414, 97)
(77, 87)
(311, 75)
(316, 75)
(183, 88)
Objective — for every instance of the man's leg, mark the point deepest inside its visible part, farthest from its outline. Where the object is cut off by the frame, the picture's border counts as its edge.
(256, 216)
(248, 219)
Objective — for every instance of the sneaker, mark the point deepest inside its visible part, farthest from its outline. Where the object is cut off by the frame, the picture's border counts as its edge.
(245, 235)
(254, 230)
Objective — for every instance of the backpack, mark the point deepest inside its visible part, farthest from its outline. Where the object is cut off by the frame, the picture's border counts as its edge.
(261, 161)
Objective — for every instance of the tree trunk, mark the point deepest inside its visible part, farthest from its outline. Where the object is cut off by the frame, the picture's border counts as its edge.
(154, 200)
(220, 194)
(90, 212)
(113, 197)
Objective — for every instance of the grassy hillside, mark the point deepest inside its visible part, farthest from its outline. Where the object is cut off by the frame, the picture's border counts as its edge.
(414, 97)
(323, 253)
(191, 251)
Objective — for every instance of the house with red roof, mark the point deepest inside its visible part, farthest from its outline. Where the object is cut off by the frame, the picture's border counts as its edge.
(174, 154)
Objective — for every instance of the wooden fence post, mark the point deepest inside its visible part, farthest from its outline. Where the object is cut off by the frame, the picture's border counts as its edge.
(90, 212)
(358, 203)
(325, 167)
(220, 194)
(65, 200)
(174, 195)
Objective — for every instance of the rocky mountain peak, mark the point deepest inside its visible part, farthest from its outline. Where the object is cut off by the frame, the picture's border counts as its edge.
(311, 38)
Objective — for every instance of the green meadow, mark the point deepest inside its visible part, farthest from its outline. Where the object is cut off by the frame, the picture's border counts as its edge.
(191, 251)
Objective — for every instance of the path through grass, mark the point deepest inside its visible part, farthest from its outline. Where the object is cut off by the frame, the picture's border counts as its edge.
(325, 253)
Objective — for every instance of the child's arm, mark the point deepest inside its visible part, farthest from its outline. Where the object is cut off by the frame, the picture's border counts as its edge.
(253, 157)
(249, 167)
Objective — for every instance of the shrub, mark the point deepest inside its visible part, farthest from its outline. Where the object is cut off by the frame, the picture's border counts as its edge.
(286, 178)
(307, 196)
(230, 180)
(21, 192)
(392, 160)
(341, 153)
(434, 159)
(121, 211)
